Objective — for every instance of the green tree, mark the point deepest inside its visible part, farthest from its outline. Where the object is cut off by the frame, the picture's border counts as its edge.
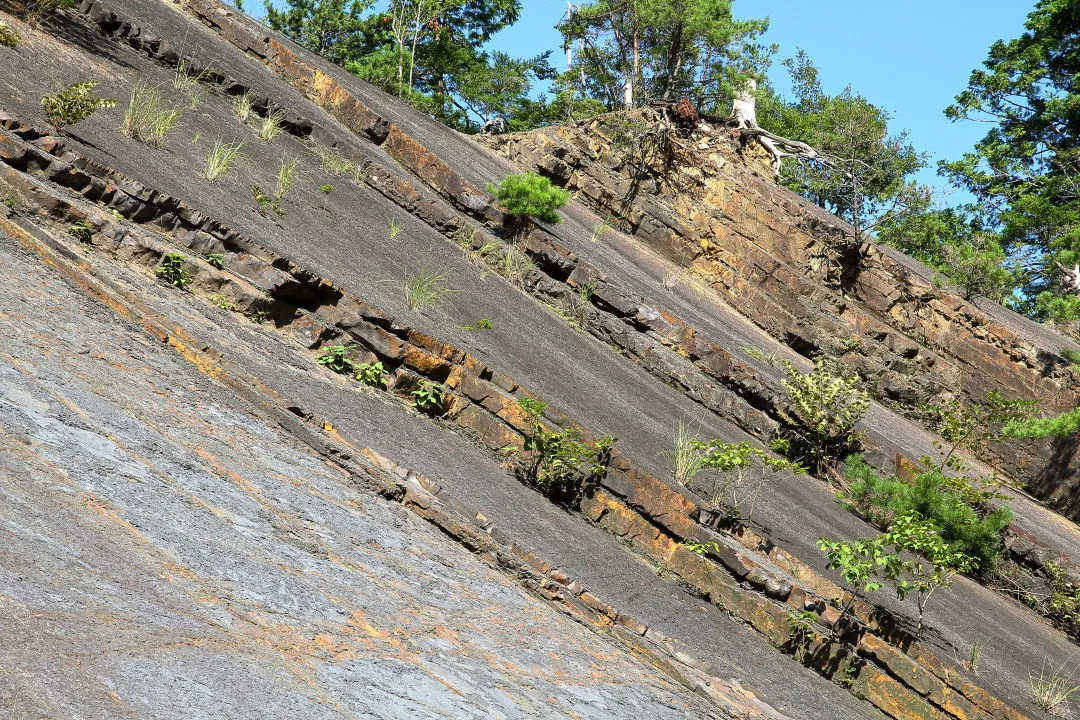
(1025, 172)
(865, 174)
(642, 50)
(333, 28)
(528, 195)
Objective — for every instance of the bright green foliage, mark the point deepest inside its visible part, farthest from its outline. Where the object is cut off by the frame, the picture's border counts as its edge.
(866, 180)
(81, 231)
(373, 374)
(701, 548)
(1072, 357)
(1061, 425)
(528, 195)
(801, 631)
(326, 189)
(741, 471)
(8, 36)
(172, 271)
(825, 407)
(970, 425)
(258, 316)
(428, 397)
(73, 105)
(333, 357)
(1023, 172)
(692, 48)
(961, 514)
(216, 260)
(332, 28)
(875, 562)
(222, 158)
(221, 302)
(562, 463)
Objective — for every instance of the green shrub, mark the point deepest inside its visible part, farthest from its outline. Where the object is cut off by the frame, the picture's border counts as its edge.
(73, 105)
(8, 36)
(172, 271)
(562, 463)
(149, 115)
(528, 195)
(81, 231)
(825, 406)
(874, 562)
(973, 529)
(741, 471)
(216, 260)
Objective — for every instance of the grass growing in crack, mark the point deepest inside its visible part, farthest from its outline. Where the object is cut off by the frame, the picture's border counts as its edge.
(149, 115)
(515, 266)
(189, 82)
(288, 175)
(599, 229)
(270, 127)
(81, 231)
(333, 162)
(222, 158)
(1053, 689)
(172, 271)
(394, 228)
(242, 106)
(576, 302)
(686, 456)
(426, 287)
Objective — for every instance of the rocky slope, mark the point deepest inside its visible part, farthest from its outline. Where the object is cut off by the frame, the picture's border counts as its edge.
(251, 467)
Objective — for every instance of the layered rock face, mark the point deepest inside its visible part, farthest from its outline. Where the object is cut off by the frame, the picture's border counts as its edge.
(708, 202)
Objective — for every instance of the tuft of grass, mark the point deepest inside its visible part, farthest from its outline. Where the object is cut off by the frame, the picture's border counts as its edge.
(515, 266)
(149, 115)
(1053, 689)
(686, 457)
(394, 228)
(288, 175)
(8, 36)
(576, 303)
(599, 229)
(426, 287)
(333, 162)
(222, 158)
(242, 106)
(189, 82)
(270, 127)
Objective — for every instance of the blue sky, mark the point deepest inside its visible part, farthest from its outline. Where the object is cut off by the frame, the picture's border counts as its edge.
(910, 57)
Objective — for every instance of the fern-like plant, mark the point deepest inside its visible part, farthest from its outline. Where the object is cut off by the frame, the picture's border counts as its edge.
(73, 105)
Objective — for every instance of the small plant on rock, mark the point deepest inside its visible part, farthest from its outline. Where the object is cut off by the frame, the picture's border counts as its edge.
(258, 316)
(33, 9)
(222, 158)
(8, 36)
(326, 190)
(562, 462)
(270, 127)
(576, 303)
(428, 397)
(190, 82)
(81, 231)
(149, 115)
(288, 176)
(221, 302)
(172, 271)
(333, 162)
(242, 106)
(1054, 688)
(686, 457)
(333, 357)
(800, 631)
(424, 287)
(701, 548)
(73, 105)
(373, 374)
(513, 264)
(266, 202)
(528, 195)
(394, 228)
(216, 260)
(741, 472)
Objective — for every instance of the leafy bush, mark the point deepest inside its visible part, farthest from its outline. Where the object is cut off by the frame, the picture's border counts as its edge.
(428, 397)
(825, 407)
(528, 195)
(738, 482)
(974, 529)
(373, 374)
(333, 357)
(562, 463)
(172, 271)
(873, 562)
(149, 115)
(81, 231)
(8, 36)
(73, 105)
